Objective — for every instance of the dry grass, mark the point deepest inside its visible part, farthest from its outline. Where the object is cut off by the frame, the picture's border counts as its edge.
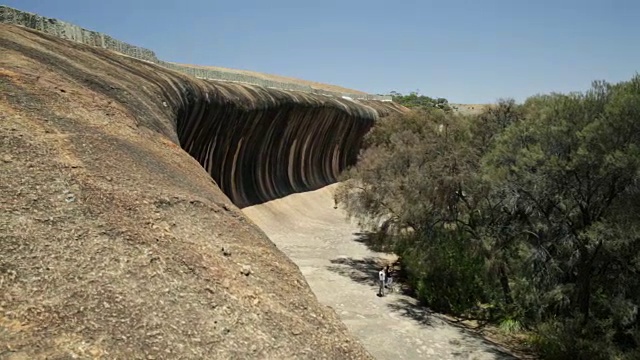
(110, 236)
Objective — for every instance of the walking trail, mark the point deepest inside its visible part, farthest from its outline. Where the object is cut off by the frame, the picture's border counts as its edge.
(342, 272)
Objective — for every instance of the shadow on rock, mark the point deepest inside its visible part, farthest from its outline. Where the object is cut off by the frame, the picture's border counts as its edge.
(411, 309)
(491, 347)
(373, 241)
(363, 271)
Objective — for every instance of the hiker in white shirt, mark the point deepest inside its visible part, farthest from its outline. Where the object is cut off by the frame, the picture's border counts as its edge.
(382, 277)
(387, 277)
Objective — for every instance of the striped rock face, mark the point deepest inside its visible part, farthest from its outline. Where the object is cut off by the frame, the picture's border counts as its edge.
(266, 143)
(258, 143)
(111, 227)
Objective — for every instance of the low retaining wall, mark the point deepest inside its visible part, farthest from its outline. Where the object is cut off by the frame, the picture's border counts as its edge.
(75, 33)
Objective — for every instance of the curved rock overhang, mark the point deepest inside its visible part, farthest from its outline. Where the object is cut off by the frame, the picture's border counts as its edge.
(260, 144)
(111, 233)
(257, 143)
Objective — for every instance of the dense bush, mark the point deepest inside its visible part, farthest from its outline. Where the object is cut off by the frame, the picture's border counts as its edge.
(415, 101)
(443, 272)
(528, 210)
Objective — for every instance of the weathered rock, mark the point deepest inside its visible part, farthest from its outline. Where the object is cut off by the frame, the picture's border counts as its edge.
(246, 270)
(125, 262)
(226, 251)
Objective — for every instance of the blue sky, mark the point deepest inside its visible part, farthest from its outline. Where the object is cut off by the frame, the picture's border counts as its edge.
(467, 51)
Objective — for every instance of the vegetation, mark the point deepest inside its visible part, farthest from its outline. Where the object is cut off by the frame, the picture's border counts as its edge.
(415, 101)
(525, 215)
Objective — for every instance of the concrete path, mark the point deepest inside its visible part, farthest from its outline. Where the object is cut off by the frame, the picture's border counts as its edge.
(341, 271)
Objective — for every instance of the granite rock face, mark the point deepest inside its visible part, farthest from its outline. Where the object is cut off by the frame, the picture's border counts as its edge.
(261, 144)
(111, 233)
(257, 142)
(117, 181)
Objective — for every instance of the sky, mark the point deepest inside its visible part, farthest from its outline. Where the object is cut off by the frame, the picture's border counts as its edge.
(466, 51)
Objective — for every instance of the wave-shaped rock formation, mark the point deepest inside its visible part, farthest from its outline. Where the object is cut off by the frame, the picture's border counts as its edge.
(260, 144)
(257, 143)
(75, 33)
(110, 232)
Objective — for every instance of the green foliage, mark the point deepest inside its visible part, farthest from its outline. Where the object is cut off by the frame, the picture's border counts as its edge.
(567, 338)
(444, 273)
(415, 101)
(396, 182)
(510, 326)
(528, 210)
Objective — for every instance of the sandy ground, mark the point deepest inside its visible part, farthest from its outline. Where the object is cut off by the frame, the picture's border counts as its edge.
(341, 271)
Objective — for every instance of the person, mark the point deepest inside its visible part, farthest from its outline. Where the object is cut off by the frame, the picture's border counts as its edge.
(387, 277)
(381, 278)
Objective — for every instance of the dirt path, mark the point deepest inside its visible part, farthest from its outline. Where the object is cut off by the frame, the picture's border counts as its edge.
(341, 272)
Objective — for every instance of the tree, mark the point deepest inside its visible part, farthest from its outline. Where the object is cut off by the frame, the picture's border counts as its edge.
(411, 181)
(530, 209)
(573, 165)
(416, 101)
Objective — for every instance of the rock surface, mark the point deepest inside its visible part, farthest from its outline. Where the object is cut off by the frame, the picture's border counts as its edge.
(342, 271)
(110, 233)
